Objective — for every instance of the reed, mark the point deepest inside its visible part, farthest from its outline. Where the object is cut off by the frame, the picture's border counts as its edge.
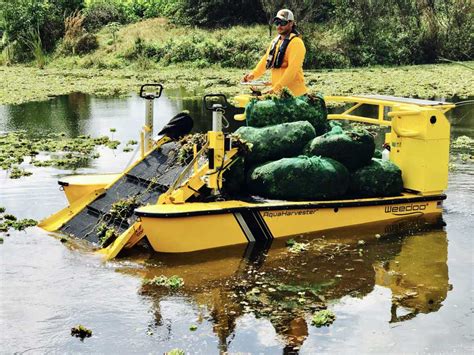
(74, 29)
(34, 43)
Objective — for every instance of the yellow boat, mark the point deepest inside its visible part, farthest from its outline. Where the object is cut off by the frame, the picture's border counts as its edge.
(419, 140)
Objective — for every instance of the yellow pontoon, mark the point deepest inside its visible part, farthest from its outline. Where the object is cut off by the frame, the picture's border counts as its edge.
(419, 140)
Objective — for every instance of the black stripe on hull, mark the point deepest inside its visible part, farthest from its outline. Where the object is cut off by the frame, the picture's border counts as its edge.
(253, 226)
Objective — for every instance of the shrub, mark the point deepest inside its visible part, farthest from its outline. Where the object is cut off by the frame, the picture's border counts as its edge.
(406, 32)
(219, 13)
(99, 13)
(76, 40)
(203, 48)
(86, 43)
(19, 18)
(102, 12)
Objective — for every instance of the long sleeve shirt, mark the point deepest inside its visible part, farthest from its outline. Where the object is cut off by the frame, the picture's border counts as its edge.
(290, 74)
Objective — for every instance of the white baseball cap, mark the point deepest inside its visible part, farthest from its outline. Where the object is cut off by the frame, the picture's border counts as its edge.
(285, 14)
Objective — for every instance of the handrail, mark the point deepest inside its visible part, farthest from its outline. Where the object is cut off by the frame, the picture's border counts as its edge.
(344, 116)
(381, 104)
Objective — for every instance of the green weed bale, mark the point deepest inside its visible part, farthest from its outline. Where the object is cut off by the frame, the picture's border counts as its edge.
(299, 178)
(354, 148)
(234, 177)
(277, 141)
(287, 108)
(378, 179)
(378, 154)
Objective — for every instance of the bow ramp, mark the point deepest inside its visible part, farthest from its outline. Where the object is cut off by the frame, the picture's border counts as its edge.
(112, 208)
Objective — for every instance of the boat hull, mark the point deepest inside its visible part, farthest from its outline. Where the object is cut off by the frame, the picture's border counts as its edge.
(78, 186)
(198, 226)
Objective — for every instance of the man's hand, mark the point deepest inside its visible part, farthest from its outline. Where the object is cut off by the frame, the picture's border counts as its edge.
(248, 77)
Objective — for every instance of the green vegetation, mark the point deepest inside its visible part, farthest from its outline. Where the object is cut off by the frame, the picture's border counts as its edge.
(56, 150)
(296, 247)
(338, 33)
(17, 172)
(9, 221)
(110, 47)
(106, 234)
(323, 318)
(80, 331)
(173, 282)
(464, 143)
(424, 81)
(176, 352)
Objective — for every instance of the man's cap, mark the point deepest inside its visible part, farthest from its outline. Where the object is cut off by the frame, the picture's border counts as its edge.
(285, 14)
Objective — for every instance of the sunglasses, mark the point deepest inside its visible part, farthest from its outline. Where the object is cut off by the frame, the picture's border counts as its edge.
(279, 22)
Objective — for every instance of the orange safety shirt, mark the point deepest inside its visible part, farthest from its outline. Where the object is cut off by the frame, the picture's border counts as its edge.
(290, 74)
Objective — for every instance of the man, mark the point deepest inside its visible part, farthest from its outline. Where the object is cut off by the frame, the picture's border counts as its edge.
(284, 57)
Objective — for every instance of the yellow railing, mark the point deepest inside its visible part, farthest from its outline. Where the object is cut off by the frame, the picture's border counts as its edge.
(382, 119)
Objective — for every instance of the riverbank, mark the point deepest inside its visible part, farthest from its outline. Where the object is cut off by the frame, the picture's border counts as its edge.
(24, 83)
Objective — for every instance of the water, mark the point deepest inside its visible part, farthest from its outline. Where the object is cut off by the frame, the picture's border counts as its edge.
(410, 291)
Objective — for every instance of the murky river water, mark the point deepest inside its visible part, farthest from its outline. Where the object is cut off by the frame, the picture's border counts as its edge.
(410, 291)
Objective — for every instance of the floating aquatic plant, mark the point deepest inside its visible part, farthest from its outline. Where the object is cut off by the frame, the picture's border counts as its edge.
(296, 247)
(81, 332)
(17, 173)
(58, 150)
(176, 352)
(173, 282)
(9, 221)
(323, 318)
(63, 78)
(463, 143)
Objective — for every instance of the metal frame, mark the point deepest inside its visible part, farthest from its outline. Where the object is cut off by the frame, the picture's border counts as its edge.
(381, 120)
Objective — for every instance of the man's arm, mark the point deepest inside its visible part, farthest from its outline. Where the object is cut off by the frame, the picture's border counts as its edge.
(261, 66)
(296, 52)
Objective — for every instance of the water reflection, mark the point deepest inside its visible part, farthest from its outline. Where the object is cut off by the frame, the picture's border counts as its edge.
(63, 114)
(77, 114)
(285, 289)
(418, 276)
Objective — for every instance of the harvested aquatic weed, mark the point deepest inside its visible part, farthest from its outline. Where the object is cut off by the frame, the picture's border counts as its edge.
(185, 154)
(323, 318)
(173, 282)
(123, 208)
(79, 331)
(106, 235)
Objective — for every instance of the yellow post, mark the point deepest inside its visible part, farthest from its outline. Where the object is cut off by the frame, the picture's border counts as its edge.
(216, 158)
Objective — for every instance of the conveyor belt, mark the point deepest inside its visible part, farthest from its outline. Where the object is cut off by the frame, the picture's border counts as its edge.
(146, 181)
